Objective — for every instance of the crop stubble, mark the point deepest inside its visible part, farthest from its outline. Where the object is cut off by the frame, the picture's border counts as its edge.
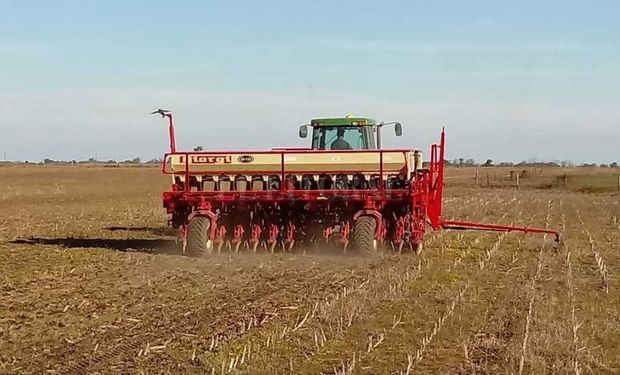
(89, 282)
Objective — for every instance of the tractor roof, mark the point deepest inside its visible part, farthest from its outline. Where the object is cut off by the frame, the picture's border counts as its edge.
(343, 121)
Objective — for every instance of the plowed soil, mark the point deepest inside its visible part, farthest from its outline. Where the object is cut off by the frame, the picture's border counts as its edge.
(91, 282)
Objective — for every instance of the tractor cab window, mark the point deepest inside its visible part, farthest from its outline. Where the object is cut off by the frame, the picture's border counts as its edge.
(342, 138)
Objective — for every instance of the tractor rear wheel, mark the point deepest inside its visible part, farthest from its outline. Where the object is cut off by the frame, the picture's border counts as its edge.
(198, 241)
(363, 236)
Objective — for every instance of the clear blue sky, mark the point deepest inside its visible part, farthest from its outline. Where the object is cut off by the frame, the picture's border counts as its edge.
(510, 80)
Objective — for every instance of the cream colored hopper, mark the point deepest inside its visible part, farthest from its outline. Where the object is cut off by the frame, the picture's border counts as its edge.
(252, 164)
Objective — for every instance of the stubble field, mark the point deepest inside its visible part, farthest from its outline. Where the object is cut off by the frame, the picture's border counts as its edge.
(90, 282)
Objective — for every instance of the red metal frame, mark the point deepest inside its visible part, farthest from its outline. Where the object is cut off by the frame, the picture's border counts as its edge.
(467, 225)
(422, 197)
(435, 205)
(171, 135)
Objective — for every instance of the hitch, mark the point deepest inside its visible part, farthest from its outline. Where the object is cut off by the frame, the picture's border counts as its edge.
(466, 225)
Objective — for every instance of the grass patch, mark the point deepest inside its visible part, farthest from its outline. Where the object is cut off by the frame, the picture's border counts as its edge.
(593, 183)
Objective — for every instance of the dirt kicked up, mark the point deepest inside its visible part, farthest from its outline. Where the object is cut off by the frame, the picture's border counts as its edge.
(90, 282)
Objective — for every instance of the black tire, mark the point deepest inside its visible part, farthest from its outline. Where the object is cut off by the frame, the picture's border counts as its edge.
(363, 236)
(198, 241)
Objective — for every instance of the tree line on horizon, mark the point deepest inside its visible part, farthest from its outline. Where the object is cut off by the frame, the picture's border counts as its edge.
(464, 163)
(136, 160)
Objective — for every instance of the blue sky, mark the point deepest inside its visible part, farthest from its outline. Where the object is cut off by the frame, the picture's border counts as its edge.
(509, 80)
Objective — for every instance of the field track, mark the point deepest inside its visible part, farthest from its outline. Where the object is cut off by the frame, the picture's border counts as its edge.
(90, 282)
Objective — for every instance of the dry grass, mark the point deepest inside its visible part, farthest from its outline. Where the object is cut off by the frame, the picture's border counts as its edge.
(598, 258)
(90, 282)
(590, 180)
(575, 325)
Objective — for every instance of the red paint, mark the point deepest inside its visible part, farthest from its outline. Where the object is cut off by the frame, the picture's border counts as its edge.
(171, 135)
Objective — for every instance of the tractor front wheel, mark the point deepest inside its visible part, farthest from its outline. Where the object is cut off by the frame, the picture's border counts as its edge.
(363, 236)
(198, 242)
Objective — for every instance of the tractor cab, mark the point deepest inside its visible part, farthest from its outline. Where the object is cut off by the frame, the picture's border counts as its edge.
(346, 133)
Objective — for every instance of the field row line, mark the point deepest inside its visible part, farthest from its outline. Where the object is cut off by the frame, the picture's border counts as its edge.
(142, 344)
(575, 325)
(320, 335)
(614, 218)
(319, 311)
(598, 258)
(348, 366)
(298, 323)
(532, 292)
(375, 340)
(483, 261)
(488, 251)
(414, 358)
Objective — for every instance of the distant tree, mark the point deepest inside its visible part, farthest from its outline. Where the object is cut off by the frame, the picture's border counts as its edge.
(48, 161)
(135, 161)
(461, 160)
(613, 165)
(198, 148)
(470, 162)
(488, 163)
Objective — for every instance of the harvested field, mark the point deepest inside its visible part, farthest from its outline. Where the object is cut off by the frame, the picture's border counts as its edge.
(90, 281)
